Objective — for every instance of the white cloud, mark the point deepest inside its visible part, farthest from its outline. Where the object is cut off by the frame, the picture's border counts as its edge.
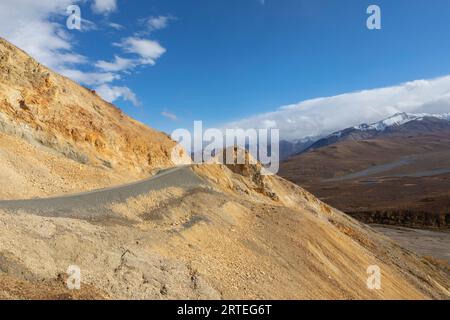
(158, 23)
(30, 25)
(90, 78)
(104, 6)
(325, 115)
(87, 25)
(119, 64)
(113, 93)
(39, 28)
(148, 50)
(169, 115)
(116, 26)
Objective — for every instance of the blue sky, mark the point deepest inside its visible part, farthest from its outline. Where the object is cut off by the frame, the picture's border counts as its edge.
(227, 60)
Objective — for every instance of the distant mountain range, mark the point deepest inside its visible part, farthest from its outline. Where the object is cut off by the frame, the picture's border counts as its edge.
(289, 148)
(395, 170)
(362, 131)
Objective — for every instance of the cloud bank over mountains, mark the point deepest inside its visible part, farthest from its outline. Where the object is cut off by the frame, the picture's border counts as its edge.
(325, 115)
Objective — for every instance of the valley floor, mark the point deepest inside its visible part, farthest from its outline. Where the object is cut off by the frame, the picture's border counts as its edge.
(427, 243)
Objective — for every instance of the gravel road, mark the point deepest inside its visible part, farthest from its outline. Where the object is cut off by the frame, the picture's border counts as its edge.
(93, 205)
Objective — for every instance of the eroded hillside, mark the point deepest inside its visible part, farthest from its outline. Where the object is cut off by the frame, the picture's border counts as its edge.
(65, 121)
(207, 232)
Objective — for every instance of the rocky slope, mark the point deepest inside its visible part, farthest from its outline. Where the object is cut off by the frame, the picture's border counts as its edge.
(208, 232)
(65, 121)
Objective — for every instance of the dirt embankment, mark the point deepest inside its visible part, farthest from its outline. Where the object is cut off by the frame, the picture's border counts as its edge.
(230, 234)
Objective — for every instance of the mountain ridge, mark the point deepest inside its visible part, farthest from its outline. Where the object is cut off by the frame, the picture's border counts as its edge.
(368, 131)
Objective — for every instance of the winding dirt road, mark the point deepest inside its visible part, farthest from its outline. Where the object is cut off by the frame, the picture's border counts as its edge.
(93, 205)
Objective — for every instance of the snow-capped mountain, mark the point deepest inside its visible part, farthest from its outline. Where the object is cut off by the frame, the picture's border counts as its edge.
(363, 131)
(398, 120)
